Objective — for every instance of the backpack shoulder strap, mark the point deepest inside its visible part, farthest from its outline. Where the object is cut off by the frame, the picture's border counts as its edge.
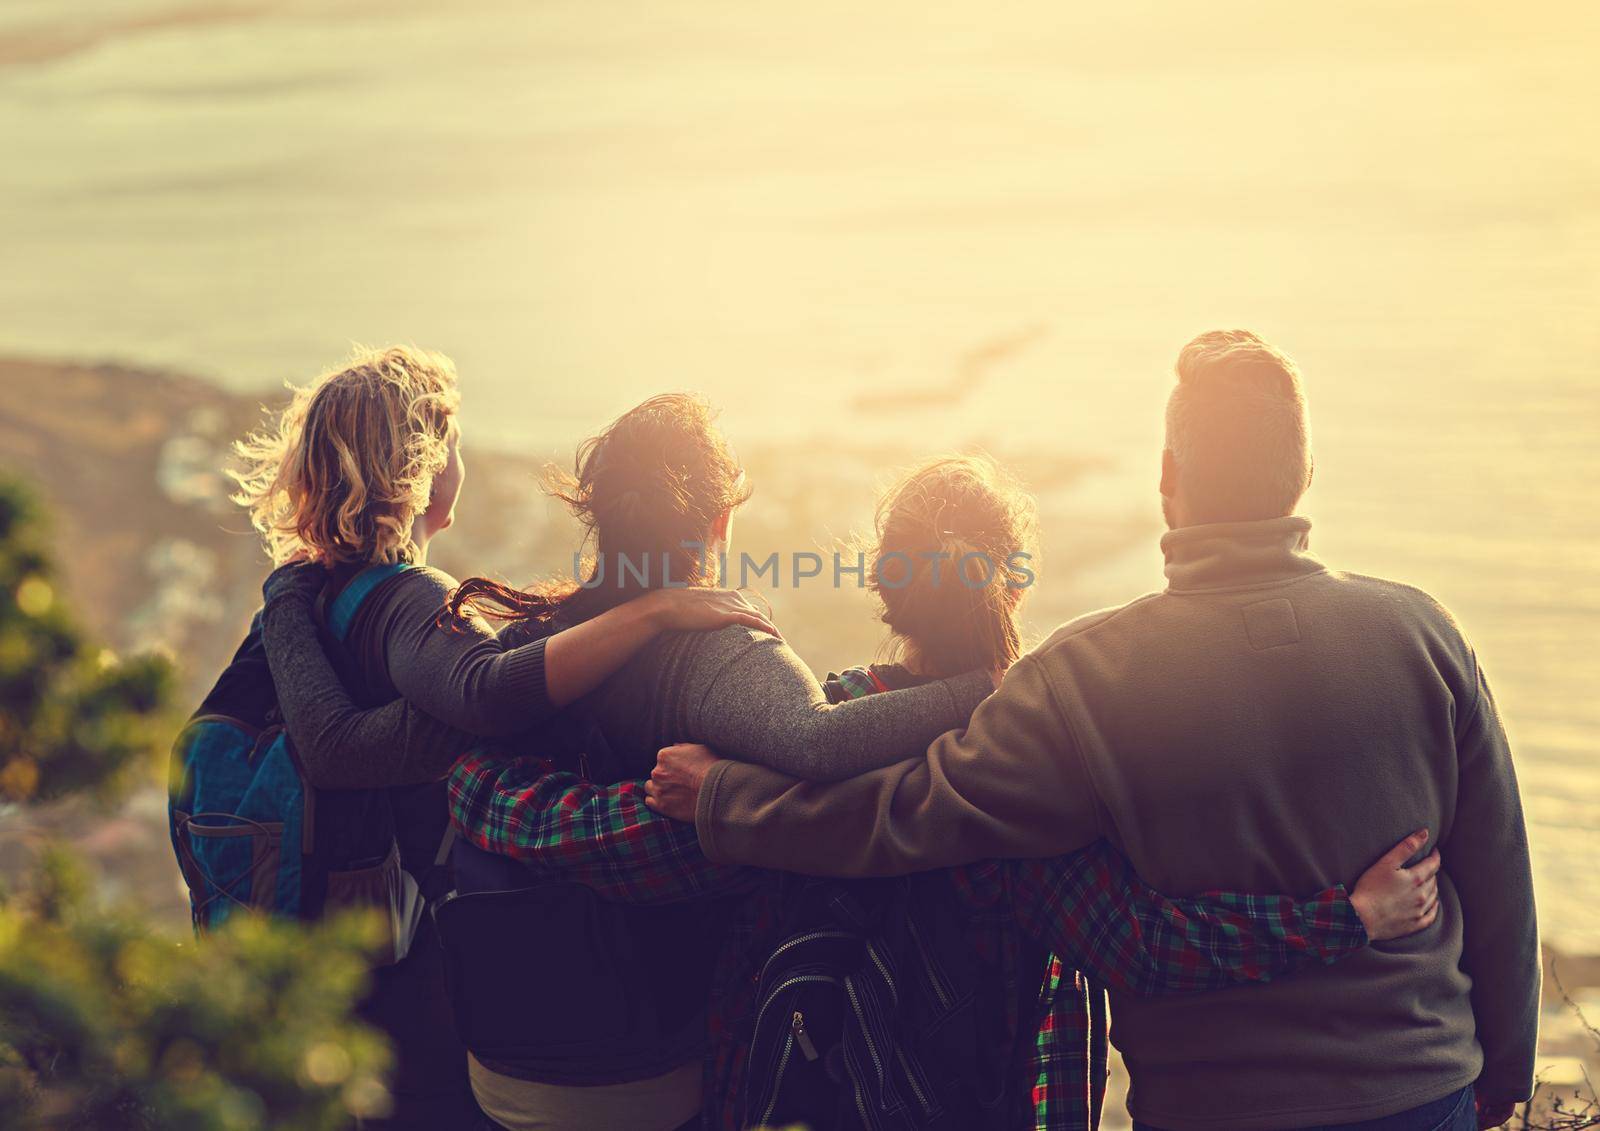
(339, 615)
(341, 611)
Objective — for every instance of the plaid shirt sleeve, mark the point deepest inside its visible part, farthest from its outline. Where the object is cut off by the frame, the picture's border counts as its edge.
(1092, 908)
(603, 837)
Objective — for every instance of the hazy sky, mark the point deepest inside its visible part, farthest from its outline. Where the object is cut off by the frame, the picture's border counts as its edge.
(585, 202)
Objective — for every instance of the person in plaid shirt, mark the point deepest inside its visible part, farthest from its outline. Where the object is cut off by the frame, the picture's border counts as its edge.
(1089, 907)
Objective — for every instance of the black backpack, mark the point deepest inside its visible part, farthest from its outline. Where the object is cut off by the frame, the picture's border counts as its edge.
(871, 1016)
(547, 981)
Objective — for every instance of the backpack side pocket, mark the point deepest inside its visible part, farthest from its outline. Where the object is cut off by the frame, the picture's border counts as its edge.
(384, 887)
(230, 862)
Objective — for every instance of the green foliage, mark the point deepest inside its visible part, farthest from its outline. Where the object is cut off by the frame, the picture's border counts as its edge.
(72, 717)
(104, 1022)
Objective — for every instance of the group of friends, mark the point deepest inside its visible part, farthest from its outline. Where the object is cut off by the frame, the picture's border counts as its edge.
(1259, 829)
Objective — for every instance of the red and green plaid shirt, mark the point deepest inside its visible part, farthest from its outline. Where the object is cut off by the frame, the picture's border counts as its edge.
(1089, 908)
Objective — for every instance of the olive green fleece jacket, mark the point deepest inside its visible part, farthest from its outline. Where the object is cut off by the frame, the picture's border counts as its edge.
(1263, 724)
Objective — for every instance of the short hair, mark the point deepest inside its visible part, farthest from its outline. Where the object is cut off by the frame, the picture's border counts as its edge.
(350, 464)
(1238, 429)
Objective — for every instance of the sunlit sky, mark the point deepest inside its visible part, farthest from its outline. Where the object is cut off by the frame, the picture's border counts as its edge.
(586, 202)
(782, 206)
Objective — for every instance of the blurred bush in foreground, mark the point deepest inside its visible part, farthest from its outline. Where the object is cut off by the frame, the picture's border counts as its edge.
(105, 1022)
(73, 717)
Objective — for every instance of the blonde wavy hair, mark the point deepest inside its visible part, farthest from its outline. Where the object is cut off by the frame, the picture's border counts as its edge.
(350, 463)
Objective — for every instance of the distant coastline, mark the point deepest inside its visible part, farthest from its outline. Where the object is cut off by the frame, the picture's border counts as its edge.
(130, 461)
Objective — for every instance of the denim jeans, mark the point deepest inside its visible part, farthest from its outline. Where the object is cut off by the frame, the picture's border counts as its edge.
(1456, 1112)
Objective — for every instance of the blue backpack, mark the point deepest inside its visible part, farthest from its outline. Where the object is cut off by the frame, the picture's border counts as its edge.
(250, 832)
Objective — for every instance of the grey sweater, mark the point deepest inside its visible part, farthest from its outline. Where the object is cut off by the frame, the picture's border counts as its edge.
(1264, 724)
(746, 693)
(749, 696)
(464, 685)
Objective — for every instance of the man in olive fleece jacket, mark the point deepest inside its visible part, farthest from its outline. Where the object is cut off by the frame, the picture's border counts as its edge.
(1264, 724)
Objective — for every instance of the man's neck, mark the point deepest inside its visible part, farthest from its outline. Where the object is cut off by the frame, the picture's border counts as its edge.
(1234, 554)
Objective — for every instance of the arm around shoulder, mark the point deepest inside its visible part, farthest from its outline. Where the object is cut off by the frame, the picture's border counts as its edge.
(1010, 784)
(340, 745)
(461, 672)
(762, 704)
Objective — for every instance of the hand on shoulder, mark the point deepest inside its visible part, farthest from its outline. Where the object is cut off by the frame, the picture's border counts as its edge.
(298, 577)
(701, 610)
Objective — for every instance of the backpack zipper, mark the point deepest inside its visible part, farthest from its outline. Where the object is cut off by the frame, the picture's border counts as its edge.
(877, 960)
(911, 1079)
(789, 1041)
(935, 977)
(789, 944)
(861, 1106)
(777, 1081)
(877, 1061)
(783, 985)
(797, 1026)
(866, 1032)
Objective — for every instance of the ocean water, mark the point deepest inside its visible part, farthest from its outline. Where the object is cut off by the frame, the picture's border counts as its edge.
(909, 223)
